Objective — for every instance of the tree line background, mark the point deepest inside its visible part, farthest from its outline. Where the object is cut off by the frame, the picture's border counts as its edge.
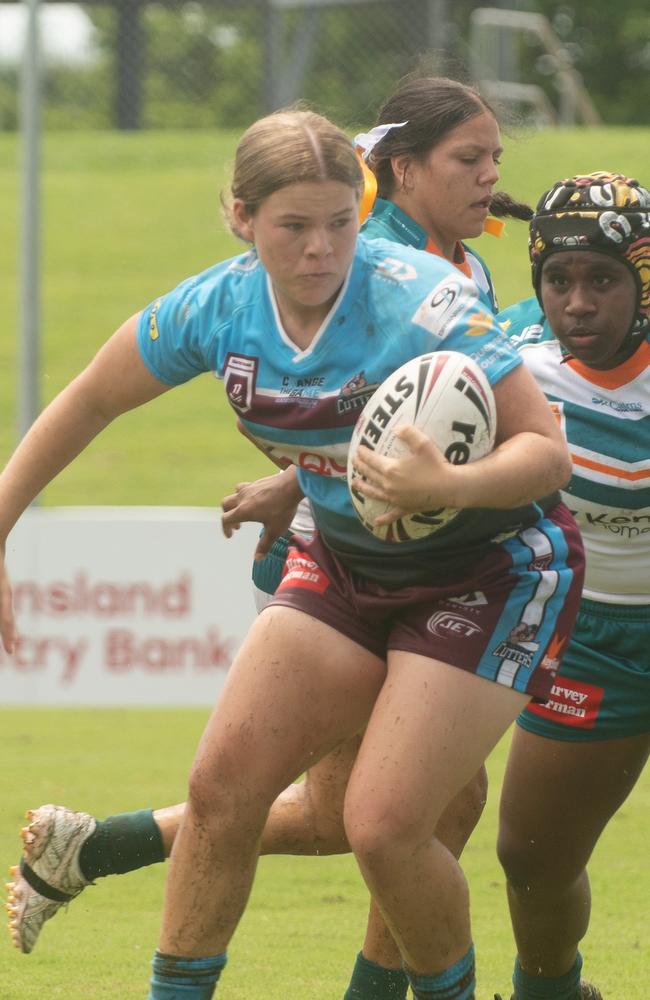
(210, 64)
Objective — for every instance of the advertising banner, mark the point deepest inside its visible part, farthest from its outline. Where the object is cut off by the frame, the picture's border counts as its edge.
(121, 606)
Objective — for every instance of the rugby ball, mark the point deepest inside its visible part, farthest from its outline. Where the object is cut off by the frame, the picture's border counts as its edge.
(448, 397)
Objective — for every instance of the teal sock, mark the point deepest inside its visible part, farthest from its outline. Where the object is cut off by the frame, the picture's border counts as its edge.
(371, 981)
(176, 978)
(122, 844)
(546, 988)
(458, 982)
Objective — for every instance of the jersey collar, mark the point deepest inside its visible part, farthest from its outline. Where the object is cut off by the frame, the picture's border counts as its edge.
(408, 231)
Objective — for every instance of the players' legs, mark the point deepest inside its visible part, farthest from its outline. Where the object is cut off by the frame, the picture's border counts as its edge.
(454, 829)
(297, 689)
(306, 818)
(431, 729)
(557, 797)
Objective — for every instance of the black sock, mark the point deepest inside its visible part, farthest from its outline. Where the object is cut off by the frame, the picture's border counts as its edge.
(122, 844)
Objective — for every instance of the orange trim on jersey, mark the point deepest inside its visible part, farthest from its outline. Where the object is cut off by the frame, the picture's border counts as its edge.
(614, 378)
(588, 463)
(459, 261)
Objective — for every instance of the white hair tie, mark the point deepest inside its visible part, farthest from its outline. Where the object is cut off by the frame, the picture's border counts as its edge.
(366, 141)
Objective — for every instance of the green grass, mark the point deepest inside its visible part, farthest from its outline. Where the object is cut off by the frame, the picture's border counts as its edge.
(125, 216)
(305, 920)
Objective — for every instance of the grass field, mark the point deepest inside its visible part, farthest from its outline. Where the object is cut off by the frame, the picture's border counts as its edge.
(304, 923)
(125, 217)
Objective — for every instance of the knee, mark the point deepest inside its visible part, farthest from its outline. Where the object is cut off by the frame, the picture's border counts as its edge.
(532, 861)
(375, 832)
(221, 797)
(324, 813)
(461, 816)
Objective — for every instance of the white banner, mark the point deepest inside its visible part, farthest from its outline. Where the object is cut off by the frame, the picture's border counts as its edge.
(125, 605)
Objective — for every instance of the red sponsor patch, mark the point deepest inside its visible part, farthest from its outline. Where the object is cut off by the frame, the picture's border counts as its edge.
(571, 703)
(301, 571)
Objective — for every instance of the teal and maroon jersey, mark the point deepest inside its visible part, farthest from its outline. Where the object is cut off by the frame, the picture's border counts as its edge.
(301, 405)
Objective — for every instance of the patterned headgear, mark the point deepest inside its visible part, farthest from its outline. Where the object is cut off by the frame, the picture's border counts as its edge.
(606, 212)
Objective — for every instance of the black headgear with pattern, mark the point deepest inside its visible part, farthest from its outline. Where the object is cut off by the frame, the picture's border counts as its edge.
(605, 212)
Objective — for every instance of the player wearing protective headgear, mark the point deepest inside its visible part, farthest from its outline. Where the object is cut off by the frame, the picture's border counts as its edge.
(585, 338)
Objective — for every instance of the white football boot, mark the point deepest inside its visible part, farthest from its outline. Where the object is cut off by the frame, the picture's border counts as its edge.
(48, 875)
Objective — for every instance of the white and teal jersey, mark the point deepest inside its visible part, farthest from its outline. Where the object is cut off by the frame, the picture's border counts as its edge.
(605, 417)
(387, 221)
(301, 405)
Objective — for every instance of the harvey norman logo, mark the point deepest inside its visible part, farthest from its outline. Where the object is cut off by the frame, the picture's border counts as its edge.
(444, 624)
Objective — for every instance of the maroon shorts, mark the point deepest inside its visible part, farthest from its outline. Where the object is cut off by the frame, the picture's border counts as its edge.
(508, 620)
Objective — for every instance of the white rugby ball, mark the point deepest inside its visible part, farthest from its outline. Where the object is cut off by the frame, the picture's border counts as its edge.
(446, 396)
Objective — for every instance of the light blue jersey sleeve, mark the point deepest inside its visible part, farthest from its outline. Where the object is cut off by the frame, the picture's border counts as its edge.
(180, 334)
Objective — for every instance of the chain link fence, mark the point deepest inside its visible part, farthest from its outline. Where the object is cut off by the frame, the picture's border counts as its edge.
(140, 64)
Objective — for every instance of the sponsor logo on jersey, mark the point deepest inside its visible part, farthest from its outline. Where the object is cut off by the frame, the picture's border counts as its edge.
(623, 524)
(154, 332)
(446, 625)
(239, 379)
(442, 307)
(396, 270)
(305, 388)
(620, 407)
(355, 393)
(301, 571)
(533, 332)
(479, 323)
(330, 461)
(354, 384)
(571, 703)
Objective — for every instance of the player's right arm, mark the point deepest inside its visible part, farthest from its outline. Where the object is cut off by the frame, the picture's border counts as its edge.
(116, 380)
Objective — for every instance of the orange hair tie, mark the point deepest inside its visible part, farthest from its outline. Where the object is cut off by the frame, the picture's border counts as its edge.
(495, 227)
(369, 195)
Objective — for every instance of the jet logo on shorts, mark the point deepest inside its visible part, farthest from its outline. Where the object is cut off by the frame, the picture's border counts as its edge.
(445, 625)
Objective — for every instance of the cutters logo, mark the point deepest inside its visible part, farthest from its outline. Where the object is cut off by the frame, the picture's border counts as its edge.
(445, 625)
(571, 703)
(355, 393)
(239, 379)
(354, 384)
(515, 654)
(524, 634)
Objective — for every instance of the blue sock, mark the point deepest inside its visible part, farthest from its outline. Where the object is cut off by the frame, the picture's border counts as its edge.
(547, 988)
(371, 981)
(458, 982)
(177, 978)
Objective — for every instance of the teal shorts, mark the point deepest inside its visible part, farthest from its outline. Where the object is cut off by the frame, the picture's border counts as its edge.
(602, 690)
(267, 572)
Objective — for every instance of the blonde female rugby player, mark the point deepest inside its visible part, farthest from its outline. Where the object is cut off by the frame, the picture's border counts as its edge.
(434, 154)
(321, 664)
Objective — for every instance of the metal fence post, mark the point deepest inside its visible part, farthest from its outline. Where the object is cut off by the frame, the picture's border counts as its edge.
(28, 349)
